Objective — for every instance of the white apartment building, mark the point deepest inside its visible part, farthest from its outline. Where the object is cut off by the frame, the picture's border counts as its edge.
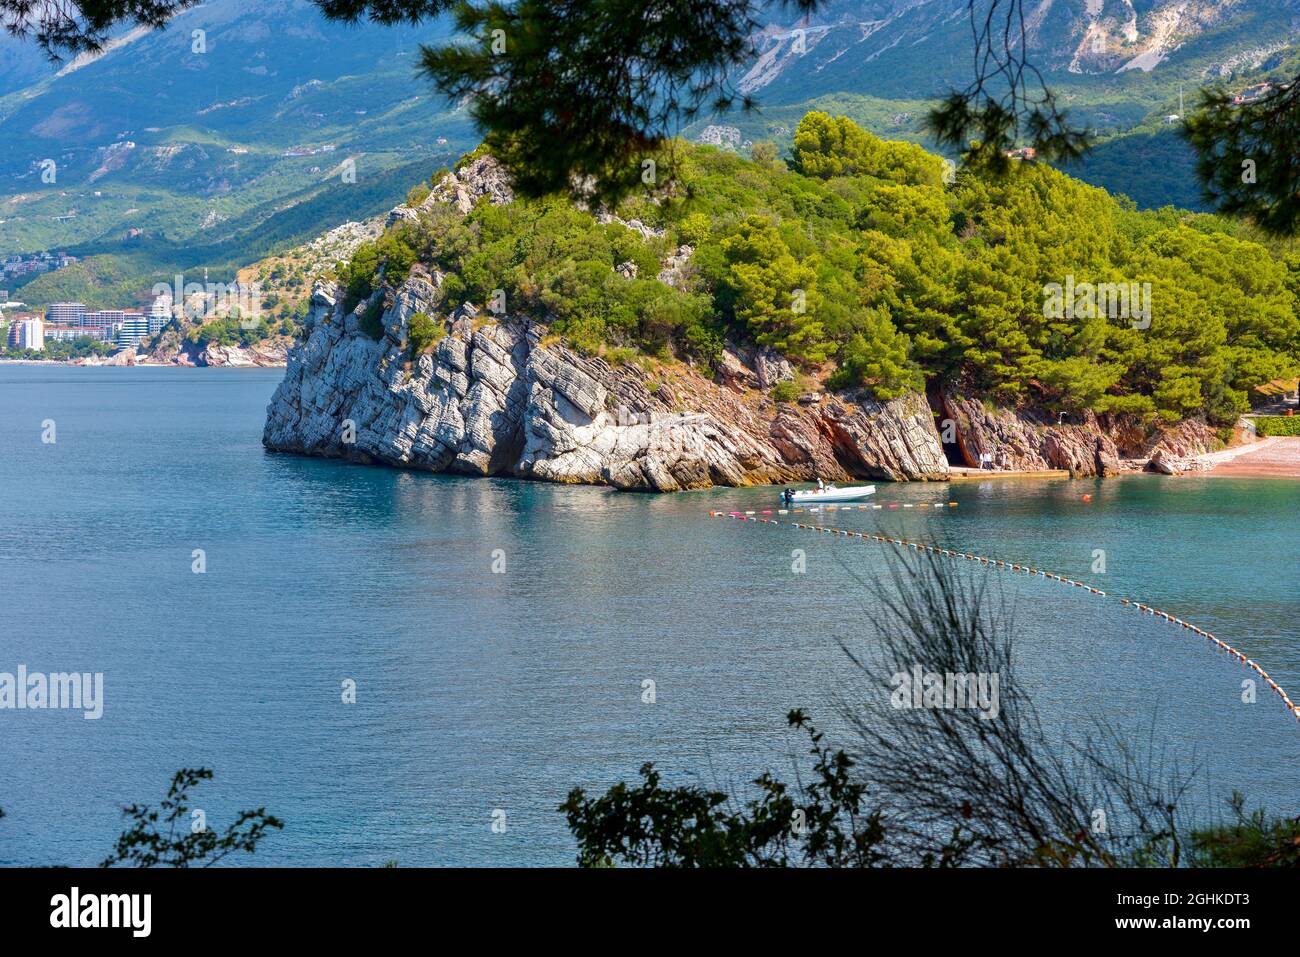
(133, 329)
(28, 334)
(65, 313)
(100, 318)
(160, 313)
(70, 333)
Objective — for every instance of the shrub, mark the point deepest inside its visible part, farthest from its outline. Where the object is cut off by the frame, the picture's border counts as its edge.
(159, 837)
(422, 333)
(397, 253)
(372, 320)
(357, 275)
(1278, 425)
(786, 391)
(417, 194)
(619, 355)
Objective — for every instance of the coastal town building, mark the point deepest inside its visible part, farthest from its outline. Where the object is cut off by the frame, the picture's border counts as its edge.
(69, 333)
(160, 313)
(34, 264)
(65, 313)
(101, 318)
(27, 334)
(72, 320)
(133, 328)
(119, 325)
(1252, 94)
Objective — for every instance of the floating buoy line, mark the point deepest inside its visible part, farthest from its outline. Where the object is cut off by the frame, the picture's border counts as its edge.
(835, 508)
(760, 515)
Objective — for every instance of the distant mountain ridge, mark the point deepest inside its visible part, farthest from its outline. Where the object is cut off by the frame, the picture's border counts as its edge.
(221, 134)
(1120, 68)
(888, 46)
(232, 134)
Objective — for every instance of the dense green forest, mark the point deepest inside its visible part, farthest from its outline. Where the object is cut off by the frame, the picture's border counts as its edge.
(873, 264)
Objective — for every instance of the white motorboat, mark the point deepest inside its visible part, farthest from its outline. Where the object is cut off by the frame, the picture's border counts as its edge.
(831, 494)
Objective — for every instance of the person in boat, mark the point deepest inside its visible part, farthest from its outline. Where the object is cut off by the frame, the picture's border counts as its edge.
(787, 497)
(821, 486)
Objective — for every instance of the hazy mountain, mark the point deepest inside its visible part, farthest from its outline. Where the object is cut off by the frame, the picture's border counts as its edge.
(233, 128)
(1121, 68)
(921, 48)
(231, 134)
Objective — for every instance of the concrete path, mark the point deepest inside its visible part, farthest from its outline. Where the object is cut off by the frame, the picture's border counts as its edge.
(1272, 457)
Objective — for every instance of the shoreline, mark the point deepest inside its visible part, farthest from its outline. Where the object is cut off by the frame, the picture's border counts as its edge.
(1273, 457)
(133, 365)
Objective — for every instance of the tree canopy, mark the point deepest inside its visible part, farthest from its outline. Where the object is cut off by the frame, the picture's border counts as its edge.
(861, 264)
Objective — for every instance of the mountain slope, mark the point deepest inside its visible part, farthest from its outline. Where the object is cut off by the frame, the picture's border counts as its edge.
(1112, 48)
(258, 130)
(1120, 67)
(232, 135)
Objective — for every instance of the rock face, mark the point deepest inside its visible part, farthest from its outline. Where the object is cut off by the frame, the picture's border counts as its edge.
(1028, 440)
(172, 349)
(893, 440)
(500, 397)
(742, 368)
(482, 176)
(125, 357)
(264, 354)
(1180, 448)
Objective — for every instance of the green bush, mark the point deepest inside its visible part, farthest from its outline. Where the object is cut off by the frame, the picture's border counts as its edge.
(620, 355)
(786, 391)
(372, 319)
(1278, 425)
(357, 275)
(417, 194)
(422, 333)
(229, 331)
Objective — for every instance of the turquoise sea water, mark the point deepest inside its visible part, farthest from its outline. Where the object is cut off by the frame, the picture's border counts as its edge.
(479, 692)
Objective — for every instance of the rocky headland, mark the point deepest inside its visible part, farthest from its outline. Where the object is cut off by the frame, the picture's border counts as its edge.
(500, 395)
(172, 350)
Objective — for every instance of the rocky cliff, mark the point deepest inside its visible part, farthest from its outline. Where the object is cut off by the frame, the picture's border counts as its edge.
(1025, 439)
(173, 349)
(501, 397)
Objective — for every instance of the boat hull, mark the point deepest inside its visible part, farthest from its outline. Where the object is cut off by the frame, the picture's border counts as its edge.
(835, 495)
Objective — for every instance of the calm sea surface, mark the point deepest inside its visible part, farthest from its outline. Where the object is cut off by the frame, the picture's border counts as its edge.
(480, 692)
